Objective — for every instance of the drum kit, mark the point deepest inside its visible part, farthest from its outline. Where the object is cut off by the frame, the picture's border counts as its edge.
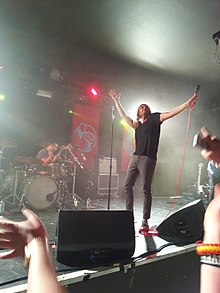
(54, 186)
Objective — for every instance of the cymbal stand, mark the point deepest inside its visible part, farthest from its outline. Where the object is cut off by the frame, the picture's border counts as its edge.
(62, 192)
(75, 197)
(15, 198)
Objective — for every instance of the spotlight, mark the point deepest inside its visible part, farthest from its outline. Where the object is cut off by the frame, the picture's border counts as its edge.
(93, 93)
(2, 97)
(216, 37)
(46, 94)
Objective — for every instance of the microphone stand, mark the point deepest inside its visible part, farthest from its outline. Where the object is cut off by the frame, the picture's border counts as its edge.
(110, 166)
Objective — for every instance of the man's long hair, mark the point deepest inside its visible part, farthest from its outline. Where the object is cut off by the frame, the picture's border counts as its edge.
(136, 122)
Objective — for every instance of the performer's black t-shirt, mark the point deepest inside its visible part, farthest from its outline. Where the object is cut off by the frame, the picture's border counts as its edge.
(147, 136)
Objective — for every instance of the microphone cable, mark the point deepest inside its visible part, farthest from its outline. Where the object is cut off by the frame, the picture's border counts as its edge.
(153, 231)
(180, 173)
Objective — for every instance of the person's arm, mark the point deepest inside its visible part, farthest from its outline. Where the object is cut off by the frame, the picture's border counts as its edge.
(56, 158)
(31, 233)
(41, 274)
(189, 104)
(116, 98)
(210, 274)
(48, 160)
(210, 271)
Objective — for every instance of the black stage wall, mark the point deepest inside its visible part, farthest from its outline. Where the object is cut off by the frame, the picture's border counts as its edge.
(176, 274)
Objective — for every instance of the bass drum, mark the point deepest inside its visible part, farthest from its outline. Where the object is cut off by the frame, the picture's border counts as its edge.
(39, 191)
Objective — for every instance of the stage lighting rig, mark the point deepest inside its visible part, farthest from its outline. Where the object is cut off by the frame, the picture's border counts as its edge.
(216, 37)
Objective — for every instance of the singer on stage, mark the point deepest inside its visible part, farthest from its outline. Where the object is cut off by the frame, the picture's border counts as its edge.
(143, 161)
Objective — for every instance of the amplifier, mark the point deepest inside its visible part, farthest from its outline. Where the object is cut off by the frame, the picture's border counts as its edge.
(103, 181)
(104, 165)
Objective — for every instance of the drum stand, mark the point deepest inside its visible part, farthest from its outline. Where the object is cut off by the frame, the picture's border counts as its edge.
(62, 192)
(14, 196)
(76, 197)
(73, 197)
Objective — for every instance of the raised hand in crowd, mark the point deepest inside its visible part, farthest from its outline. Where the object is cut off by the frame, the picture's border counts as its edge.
(212, 146)
(29, 238)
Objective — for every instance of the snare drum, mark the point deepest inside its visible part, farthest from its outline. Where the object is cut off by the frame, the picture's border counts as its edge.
(39, 191)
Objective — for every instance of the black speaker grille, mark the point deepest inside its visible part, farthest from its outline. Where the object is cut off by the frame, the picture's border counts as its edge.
(88, 238)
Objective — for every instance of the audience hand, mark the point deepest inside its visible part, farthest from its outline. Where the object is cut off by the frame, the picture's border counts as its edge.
(114, 95)
(212, 151)
(16, 235)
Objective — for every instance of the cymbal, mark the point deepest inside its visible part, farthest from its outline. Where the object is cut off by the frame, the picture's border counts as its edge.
(27, 160)
(7, 144)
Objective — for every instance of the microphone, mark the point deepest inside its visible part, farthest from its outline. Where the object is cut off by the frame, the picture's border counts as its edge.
(193, 102)
(197, 88)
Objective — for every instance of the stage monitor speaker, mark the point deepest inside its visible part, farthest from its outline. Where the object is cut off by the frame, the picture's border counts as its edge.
(184, 226)
(88, 238)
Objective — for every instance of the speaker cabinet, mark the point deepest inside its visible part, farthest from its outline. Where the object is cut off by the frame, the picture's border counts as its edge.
(103, 184)
(184, 226)
(104, 165)
(91, 238)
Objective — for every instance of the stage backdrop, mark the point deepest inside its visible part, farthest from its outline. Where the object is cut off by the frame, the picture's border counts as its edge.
(85, 131)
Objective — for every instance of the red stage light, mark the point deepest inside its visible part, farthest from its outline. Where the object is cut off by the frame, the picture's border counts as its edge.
(94, 91)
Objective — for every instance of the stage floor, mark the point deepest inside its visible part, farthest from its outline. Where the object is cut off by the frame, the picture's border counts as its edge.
(13, 272)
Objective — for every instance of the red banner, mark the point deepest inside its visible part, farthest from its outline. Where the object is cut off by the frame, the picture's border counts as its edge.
(84, 136)
(127, 148)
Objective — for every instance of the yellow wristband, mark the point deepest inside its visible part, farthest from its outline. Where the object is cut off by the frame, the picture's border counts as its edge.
(208, 249)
